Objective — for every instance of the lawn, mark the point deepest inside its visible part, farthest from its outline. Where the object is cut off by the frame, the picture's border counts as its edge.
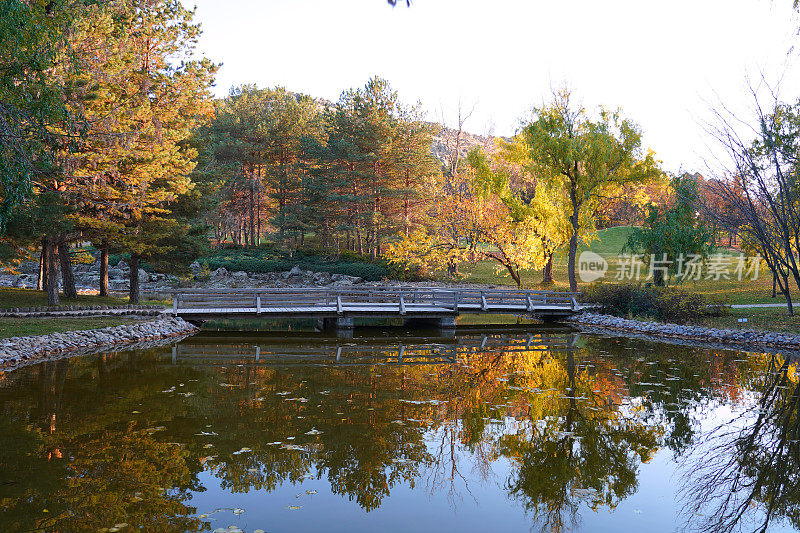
(764, 318)
(17, 327)
(11, 297)
(609, 244)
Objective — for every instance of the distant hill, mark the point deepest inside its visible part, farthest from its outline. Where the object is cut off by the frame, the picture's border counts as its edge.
(444, 140)
(444, 143)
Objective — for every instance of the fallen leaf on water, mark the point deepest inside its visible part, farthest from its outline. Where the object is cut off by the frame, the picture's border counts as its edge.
(294, 507)
(311, 492)
(243, 450)
(238, 511)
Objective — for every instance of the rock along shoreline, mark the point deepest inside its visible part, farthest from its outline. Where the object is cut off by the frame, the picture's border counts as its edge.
(738, 338)
(22, 351)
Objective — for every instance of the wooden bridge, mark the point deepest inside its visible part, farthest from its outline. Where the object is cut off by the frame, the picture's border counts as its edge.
(338, 307)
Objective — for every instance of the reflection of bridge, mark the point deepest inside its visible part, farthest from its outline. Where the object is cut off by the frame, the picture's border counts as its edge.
(338, 307)
(313, 350)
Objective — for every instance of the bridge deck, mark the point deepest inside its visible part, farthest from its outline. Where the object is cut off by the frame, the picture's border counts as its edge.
(349, 303)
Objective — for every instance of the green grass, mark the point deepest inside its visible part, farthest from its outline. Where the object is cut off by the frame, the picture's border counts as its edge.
(11, 297)
(764, 318)
(609, 244)
(18, 327)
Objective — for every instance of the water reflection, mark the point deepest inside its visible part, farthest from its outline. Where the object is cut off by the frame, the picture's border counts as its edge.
(746, 472)
(542, 429)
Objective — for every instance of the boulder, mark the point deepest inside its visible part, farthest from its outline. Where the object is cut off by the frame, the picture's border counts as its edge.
(144, 277)
(322, 278)
(221, 272)
(344, 277)
(196, 268)
(118, 284)
(29, 267)
(122, 265)
(296, 271)
(239, 276)
(24, 281)
(116, 273)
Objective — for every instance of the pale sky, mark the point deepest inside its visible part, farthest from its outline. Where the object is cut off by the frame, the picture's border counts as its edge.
(662, 62)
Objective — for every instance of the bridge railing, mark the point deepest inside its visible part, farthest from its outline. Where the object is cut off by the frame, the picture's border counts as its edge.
(341, 298)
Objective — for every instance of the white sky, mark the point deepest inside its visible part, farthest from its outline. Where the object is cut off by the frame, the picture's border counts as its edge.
(663, 62)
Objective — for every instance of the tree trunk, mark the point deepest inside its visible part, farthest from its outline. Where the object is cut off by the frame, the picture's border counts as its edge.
(52, 272)
(104, 269)
(789, 304)
(547, 272)
(67, 275)
(514, 275)
(573, 242)
(41, 283)
(774, 283)
(133, 292)
(573, 250)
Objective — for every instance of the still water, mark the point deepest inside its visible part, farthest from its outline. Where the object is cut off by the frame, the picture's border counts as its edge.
(493, 430)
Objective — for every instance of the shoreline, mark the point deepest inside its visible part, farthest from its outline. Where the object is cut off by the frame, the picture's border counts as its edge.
(736, 339)
(16, 352)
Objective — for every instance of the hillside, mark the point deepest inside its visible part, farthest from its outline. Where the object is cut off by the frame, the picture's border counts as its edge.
(444, 140)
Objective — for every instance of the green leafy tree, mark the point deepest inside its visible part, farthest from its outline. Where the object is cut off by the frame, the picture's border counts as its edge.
(673, 234)
(34, 119)
(584, 159)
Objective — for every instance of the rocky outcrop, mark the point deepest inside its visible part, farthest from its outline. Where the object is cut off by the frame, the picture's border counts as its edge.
(296, 277)
(87, 278)
(17, 351)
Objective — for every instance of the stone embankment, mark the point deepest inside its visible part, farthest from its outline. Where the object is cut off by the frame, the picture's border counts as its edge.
(744, 338)
(19, 351)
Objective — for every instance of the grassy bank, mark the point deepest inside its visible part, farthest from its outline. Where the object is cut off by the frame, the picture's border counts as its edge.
(11, 297)
(15, 327)
(19, 327)
(609, 244)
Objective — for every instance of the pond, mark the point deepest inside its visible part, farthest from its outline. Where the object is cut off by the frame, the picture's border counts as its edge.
(508, 429)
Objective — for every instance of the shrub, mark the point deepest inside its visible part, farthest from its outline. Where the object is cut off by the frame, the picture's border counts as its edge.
(267, 259)
(661, 303)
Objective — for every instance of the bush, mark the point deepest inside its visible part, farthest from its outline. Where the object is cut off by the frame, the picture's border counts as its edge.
(662, 303)
(267, 259)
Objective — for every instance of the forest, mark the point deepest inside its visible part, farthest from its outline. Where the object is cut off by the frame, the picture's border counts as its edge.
(111, 142)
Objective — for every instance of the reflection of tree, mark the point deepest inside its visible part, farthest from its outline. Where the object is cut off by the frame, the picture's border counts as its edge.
(578, 452)
(71, 443)
(747, 471)
(70, 468)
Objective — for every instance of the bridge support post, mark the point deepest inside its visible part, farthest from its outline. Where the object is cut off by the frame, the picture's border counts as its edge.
(342, 323)
(447, 326)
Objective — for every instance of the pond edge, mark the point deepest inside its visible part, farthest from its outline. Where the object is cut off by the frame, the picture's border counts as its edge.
(22, 351)
(734, 338)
